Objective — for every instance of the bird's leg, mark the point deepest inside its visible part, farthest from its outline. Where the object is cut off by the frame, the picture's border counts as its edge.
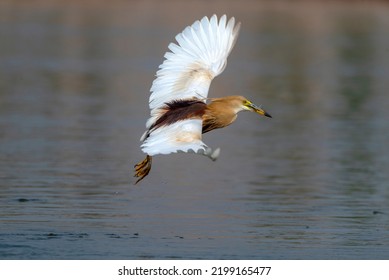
(212, 154)
(143, 168)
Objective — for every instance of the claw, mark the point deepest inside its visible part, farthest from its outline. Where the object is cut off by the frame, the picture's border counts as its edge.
(143, 168)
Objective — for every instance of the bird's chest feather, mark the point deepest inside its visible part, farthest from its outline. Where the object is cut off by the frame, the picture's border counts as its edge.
(216, 118)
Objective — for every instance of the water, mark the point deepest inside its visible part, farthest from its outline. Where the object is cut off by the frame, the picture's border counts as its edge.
(311, 183)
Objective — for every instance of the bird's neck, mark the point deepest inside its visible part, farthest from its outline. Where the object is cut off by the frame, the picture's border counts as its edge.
(218, 115)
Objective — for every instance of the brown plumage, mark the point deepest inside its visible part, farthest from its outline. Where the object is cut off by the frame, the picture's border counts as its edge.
(220, 113)
(178, 110)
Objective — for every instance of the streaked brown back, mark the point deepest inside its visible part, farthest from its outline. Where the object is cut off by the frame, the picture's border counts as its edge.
(179, 110)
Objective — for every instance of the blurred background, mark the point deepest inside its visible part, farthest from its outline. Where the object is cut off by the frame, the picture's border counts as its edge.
(311, 183)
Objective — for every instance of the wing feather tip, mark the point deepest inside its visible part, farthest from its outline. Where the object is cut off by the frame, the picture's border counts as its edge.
(208, 41)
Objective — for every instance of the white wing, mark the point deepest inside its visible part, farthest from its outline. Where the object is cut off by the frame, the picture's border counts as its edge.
(186, 73)
(190, 66)
(182, 136)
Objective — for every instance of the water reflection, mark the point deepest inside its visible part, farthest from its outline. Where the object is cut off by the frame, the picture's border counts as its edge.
(310, 183)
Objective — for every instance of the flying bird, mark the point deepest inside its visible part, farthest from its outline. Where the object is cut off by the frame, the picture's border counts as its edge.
(180, 108)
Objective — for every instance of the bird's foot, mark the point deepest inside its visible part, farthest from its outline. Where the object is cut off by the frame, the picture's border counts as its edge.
(212, 154)
(143, 168)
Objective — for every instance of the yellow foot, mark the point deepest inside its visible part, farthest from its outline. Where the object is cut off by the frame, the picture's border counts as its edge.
(143, 168)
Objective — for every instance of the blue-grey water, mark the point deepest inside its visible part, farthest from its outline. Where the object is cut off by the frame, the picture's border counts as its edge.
(311, 183)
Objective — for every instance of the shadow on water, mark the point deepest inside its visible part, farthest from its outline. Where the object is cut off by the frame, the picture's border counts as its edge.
(311, 183)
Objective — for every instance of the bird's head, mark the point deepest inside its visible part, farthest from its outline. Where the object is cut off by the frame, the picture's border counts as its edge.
(250, 106)
(236, 103)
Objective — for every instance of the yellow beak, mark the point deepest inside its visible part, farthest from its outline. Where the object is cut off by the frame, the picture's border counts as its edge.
(258, 110)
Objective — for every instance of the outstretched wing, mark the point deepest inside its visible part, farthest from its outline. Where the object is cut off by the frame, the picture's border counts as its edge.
(190, 66)
(186, 74)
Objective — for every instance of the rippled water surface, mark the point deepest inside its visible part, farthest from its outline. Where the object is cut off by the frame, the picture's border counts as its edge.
(311, 183)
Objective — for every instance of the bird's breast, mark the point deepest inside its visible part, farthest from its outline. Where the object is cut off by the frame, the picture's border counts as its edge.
(215, 118)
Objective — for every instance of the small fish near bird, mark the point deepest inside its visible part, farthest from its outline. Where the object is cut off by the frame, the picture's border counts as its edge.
(181, 110)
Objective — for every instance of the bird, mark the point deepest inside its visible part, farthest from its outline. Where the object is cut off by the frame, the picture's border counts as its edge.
(180, 109)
